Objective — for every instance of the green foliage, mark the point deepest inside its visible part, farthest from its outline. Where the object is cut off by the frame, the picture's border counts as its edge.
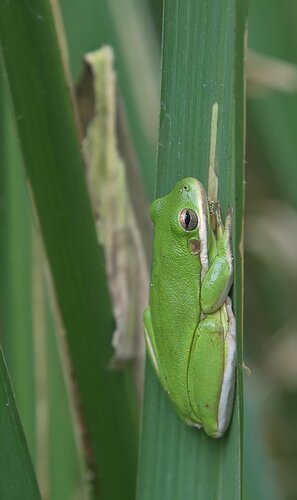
(77, 413)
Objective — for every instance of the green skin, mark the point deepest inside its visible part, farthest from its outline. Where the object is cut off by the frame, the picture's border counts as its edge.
(189, 324)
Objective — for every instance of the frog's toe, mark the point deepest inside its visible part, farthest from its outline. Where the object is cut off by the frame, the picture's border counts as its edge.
(228, 221)
(218, 213)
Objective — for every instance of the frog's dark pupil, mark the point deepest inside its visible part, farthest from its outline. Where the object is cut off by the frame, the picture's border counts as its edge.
(187, 219)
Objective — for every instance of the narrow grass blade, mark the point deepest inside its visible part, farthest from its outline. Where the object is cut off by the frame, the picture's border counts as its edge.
(15, 284)
(127, 26)
(59, 470)
(202, 72)
(17, 479)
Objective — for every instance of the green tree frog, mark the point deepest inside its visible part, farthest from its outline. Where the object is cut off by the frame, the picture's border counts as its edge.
(189, 324)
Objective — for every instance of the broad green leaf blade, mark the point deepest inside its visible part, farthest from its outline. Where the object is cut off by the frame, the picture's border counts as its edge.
(260, 481)
(17, 479)
(203, 51)
(19, 331)
(54, 168)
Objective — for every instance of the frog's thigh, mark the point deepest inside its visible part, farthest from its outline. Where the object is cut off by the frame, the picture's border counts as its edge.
(205, 372)
(150, 338)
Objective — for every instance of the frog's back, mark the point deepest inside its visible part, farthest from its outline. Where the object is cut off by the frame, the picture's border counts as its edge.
(174, 300)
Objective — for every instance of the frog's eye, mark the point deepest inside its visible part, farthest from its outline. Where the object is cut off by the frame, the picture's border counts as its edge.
(188, 219)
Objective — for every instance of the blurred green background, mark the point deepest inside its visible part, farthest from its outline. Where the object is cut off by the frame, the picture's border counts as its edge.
(28, 319)
(270, 263)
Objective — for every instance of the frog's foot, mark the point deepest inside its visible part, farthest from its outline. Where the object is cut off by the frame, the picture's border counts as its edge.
(221, 230)
(149, 338)
(224, 236)
(228, 384)
(192, 423)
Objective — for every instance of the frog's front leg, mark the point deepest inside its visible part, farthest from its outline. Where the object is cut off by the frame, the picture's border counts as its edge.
(218, 279)
(211, 371)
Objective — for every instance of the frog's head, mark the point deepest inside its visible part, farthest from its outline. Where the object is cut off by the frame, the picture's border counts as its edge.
(185, 211)
(187, 191)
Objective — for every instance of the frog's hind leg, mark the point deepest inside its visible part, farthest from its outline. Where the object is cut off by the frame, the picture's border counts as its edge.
(205, 372)
(228, 383)
(211, 371)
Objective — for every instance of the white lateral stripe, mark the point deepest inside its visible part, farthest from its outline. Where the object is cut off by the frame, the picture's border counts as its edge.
(151, 351)
(227, 391)
(202, 205)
